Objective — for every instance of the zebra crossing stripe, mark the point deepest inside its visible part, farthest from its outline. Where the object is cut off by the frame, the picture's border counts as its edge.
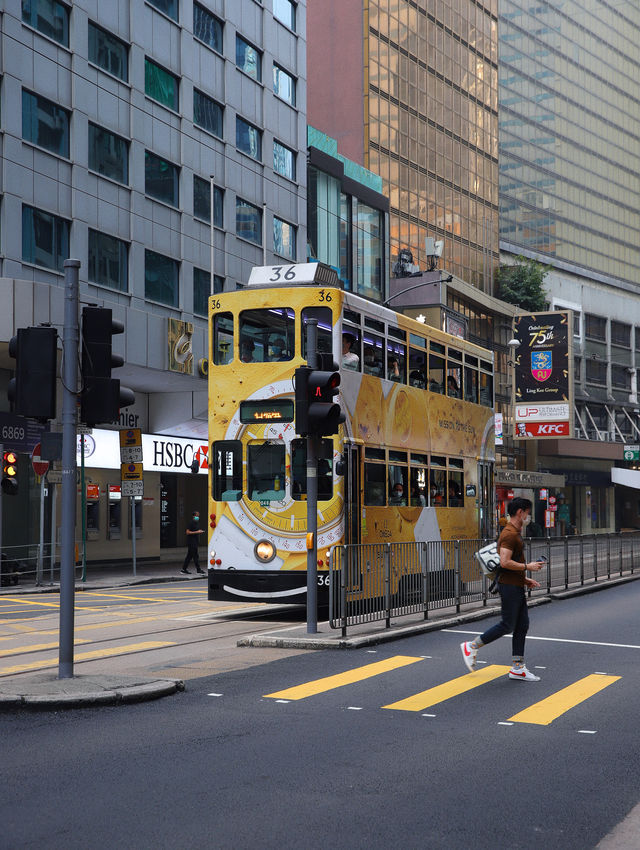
(453, 688)
(547, 710)
(359, 674)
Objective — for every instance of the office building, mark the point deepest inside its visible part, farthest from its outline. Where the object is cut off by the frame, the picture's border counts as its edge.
(150, 139)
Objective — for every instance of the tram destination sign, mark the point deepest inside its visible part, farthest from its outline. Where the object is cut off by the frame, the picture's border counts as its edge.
(266, 410)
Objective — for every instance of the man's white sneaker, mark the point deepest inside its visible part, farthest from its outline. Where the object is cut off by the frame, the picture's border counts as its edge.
(523, 674)
(468, 655)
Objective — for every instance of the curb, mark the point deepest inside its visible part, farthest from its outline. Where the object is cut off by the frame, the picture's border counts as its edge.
(116, 696)
(276, 642)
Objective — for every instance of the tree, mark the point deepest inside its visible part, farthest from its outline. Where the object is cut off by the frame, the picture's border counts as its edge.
(522, 284)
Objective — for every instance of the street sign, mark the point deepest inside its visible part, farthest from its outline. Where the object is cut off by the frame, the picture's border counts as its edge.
(631, 453)
(131, 445)
(132, 488)
(54, 476)
(40, 466)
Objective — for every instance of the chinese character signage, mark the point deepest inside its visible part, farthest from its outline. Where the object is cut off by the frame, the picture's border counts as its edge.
(543, 381)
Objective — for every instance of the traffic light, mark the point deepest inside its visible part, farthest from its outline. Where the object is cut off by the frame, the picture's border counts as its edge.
(323, 414)
(102, 396)
(33, 390)
(10, 473)
(301, 382)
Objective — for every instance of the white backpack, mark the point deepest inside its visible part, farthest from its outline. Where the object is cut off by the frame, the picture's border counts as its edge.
(489, 561)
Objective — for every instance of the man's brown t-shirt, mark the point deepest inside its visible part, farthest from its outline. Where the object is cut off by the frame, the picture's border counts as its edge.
(510, 539)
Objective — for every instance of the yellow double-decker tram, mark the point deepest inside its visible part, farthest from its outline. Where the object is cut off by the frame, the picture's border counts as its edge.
(413, 460)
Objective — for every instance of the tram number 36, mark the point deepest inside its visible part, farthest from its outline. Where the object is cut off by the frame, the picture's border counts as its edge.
(323, 580)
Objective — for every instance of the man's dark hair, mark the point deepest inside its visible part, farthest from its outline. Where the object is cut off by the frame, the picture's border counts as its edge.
(518, 504)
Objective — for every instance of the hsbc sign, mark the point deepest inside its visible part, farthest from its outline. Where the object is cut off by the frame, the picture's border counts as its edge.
(160, 453)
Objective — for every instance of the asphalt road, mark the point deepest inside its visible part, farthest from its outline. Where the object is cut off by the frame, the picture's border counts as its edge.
(241, 761)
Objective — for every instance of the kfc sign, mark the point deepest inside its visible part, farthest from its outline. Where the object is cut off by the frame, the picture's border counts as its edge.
(542, 429)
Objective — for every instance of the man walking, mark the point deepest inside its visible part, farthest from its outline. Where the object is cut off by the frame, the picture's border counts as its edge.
(193, 532)
(511, 585)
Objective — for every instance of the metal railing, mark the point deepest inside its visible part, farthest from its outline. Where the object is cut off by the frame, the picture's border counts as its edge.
(378, 581)
(30, 564)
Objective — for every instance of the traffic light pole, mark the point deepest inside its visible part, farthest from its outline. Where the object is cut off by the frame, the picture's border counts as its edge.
(69, 485)
(312, 497)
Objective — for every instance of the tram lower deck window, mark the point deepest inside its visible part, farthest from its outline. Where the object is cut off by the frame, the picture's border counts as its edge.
(226, 457)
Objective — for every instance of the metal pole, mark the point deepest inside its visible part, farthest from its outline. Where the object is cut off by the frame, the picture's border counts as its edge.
(133, 532)
(41, 545)
(312, 497)
(1, 500)
(83, 507)
(52, 554)
(212, 287)
(264, 241)
(69, 443)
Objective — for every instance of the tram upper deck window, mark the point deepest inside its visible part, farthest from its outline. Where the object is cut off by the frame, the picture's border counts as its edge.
(417, 368)
(471, 379)
(267, 335)
(266, 471)
(486, 385)
(373, 349)
(222, 346)
(227, 470)
(325, 326)
(396, 362)
(436, 368)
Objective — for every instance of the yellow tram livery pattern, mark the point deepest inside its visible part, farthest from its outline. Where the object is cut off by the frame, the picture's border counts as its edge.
(413, 460)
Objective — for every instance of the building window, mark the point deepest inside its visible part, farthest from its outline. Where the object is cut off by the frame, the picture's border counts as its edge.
(284, 239)
(248, 59)
(45, 239)
(161, 276)
(621, 334)
(49, 17)
(202, 290)
(108, 261)
(596, 372)
(595, 327)
(248, 139)
(108, 154)
(169, 7)
(284, 85)
(207, 113)
(207, 27)
(161, 179)
(285, 11)
(620, 377)
(45, 124)
(284, 161)
(248, 222)
(161, 85)
(202, 201)
(108, 52)
(369, 229)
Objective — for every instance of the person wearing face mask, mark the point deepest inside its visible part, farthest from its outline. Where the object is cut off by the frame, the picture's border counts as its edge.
(512, 582)
(193, 533)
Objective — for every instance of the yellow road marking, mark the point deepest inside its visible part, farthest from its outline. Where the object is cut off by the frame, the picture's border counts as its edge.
(123, 596)
(319, 686)
(34, 602)
(86, 656)
(547, 710)
(36, 647)
(453, 688)
(126, 622)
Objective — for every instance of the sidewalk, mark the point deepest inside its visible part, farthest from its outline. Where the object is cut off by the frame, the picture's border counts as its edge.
(45, 691)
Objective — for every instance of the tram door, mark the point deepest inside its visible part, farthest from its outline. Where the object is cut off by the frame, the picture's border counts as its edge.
(485, 501)
(352, 493)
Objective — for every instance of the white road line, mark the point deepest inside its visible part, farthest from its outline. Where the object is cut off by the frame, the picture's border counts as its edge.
(556, 640)
(354, 708)
(587, 731)
(428, 715)
(285, 701)
(504, 723)
(214, 695)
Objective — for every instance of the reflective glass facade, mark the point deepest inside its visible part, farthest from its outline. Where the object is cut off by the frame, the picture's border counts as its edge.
(570, 132)
(431, 127)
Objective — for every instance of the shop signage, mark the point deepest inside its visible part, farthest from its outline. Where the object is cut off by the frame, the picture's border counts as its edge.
(497, 417)
(18, 434)
(161, 453)
(631, 453)
(542, 429)
(541, 412)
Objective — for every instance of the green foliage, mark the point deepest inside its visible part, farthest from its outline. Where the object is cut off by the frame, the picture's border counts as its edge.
(522, 284)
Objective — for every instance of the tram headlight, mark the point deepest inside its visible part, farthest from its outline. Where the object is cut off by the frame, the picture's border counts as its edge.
(265, 551)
